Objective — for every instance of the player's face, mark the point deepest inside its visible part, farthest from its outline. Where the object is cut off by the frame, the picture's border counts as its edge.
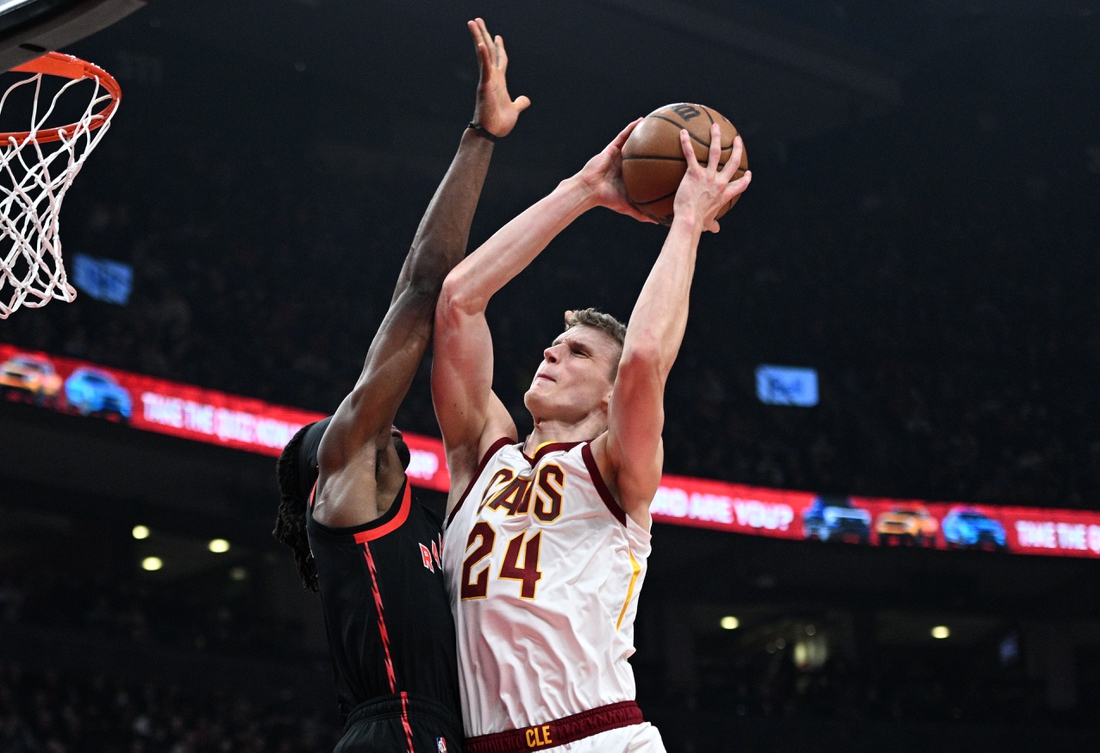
(575, 376)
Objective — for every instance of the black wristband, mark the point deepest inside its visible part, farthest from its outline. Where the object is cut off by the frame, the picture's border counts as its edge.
(481, 131)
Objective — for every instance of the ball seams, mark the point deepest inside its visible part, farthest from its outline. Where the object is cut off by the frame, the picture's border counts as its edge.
(641, 204)
(692, 135)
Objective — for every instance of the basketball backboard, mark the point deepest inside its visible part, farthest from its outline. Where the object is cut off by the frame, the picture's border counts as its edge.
(28, 28)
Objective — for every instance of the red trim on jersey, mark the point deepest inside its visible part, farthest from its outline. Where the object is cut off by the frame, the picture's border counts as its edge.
(381, 617)
(405, 720)
(493, 450)
(558, 732)
(601, 487)
(547, 448)
(362, 537)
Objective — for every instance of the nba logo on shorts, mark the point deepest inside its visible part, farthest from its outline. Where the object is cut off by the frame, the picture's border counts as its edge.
(441, 745)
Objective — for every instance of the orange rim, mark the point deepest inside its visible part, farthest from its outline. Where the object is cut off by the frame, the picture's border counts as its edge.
(67, 66)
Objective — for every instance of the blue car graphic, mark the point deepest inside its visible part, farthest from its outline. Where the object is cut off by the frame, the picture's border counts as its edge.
(91, 391)
(836, 519)
(966, 528)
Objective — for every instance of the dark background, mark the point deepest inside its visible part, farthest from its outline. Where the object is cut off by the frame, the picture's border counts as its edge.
(921, 229)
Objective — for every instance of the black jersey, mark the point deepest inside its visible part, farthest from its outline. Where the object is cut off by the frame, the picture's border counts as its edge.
(387, 615)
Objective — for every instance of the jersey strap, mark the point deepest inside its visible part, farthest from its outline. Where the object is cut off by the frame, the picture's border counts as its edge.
(558, 732)
(601, 486)
(489, 455)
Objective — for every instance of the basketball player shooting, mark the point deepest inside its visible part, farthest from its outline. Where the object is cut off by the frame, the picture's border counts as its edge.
(546, 540)
(347, 512)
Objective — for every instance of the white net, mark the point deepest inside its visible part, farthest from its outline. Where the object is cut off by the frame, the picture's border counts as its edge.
(37, 166)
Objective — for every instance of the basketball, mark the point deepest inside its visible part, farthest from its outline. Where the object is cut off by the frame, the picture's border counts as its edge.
(653, 161)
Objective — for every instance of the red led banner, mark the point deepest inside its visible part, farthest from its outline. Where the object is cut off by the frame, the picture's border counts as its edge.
(181, 410)
(880, 522)
(77, 387)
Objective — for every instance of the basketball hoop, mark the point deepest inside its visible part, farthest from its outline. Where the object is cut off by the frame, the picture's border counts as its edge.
(33, 179)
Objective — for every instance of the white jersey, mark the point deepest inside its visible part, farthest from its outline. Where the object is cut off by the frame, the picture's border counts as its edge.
(543, 569)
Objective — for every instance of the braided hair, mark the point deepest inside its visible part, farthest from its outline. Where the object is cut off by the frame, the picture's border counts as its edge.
(290, 523)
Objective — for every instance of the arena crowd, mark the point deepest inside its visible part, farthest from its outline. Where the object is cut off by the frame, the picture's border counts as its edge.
(54, 712)
(953, 327)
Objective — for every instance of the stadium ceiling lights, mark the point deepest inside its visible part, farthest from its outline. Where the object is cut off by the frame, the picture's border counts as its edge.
(218, 546)
(730, 623)
(140, 532)
(940, 632)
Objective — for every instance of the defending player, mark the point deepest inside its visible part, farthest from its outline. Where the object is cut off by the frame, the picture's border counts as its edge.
(343, 483)
(546, 541)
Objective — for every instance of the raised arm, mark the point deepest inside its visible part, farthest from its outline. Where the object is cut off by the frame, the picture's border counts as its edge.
(631, 454)
(358, 461)
(470, 416)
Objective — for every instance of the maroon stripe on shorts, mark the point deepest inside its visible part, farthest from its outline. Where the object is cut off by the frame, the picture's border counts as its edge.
(568, 729)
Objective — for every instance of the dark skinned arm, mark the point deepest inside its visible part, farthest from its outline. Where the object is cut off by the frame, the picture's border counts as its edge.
(360, 473)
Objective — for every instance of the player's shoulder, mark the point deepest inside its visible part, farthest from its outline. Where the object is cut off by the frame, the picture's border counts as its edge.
(503, 450)
(361, 524)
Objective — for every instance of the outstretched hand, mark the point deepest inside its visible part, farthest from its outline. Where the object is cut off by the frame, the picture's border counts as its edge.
(603, 175)
(495, 111)
(706, 189)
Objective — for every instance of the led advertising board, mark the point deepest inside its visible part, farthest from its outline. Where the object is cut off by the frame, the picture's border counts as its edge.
(786, 385)
(180, 410)
(77, 387)
(103, 279)
(875, 521)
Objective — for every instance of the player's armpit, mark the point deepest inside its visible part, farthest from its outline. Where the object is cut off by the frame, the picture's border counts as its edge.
(362, 489)
(499, 424)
